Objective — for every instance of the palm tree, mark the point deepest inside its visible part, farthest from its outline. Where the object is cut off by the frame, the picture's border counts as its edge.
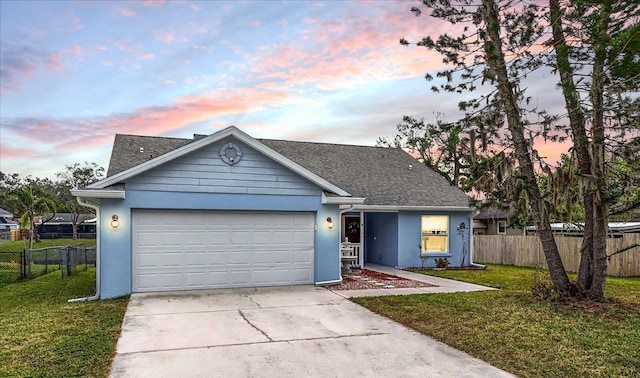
(31, 201)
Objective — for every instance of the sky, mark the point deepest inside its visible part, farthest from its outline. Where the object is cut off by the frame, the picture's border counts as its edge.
(75, 73)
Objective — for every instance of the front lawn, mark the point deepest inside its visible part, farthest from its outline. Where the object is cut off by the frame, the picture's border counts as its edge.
(511, 330)
(19, 245)
(41, 334)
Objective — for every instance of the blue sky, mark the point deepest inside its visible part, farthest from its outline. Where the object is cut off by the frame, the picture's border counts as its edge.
(75, 73)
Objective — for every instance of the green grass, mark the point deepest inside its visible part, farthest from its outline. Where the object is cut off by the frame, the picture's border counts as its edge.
(10, 271)
(530, 338)
(42, 335)
(19, 245)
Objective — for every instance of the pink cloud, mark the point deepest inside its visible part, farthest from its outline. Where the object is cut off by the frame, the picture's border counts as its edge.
(7, 152)
(82, 133)
(21, 62)
(338, 55)
(152, 3)
(167, 36)
(127, 12)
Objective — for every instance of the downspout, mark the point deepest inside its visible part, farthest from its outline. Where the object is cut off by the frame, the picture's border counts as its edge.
(94, 206)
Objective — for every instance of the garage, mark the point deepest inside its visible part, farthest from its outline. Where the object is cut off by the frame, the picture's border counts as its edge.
(186, 250)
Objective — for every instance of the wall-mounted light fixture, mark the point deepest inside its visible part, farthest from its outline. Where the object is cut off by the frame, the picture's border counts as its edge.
(330, 223)
(115, 223)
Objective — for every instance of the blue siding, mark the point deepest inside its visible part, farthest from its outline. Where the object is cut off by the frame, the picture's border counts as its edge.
(116, 252)
(409, 226)
(381, 238)
(203, 171)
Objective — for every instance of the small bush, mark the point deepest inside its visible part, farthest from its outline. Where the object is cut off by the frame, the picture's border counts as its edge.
(542, 288)
(442, 263)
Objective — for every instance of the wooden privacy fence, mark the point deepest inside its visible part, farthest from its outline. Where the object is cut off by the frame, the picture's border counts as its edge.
(527, 251)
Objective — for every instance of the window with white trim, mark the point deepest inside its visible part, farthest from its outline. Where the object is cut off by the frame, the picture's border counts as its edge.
(435, 234)
(502, 227)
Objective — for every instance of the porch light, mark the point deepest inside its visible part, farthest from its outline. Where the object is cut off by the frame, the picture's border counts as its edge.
(329, 223)
(115, 223)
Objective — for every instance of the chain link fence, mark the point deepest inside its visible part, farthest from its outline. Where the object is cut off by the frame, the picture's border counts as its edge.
(32, 263)
(12, 267)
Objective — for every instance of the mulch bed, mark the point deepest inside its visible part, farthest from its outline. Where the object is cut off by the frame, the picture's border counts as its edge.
(362, 279)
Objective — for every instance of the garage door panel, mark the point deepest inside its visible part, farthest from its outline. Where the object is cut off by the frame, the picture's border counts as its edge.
(181, 250)
(304, 257)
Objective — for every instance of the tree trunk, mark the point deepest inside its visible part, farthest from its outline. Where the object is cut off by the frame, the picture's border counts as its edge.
(496, 62)
(598, 163)
(580, 141)
(585, 271)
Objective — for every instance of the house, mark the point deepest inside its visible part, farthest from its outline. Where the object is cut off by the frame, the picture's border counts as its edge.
(5, 221)
(227, 210)
(493, 221)
(60, 225)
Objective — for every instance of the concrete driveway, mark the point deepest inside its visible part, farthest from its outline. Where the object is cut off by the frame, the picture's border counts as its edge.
(296, 331)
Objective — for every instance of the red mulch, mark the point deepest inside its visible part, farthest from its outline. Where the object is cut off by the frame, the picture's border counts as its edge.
(362, 279)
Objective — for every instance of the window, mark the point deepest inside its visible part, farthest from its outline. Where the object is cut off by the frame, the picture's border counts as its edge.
(502, 227)
(435, 233)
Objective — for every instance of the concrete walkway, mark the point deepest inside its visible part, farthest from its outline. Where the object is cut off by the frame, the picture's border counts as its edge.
(442, 285)
(294, 331)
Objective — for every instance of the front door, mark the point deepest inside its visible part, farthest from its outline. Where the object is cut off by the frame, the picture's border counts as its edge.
(352, 229)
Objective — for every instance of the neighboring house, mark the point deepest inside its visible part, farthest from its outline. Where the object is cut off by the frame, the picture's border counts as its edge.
(227, 210)
(60, 225)
(5, 221)
(494, 221)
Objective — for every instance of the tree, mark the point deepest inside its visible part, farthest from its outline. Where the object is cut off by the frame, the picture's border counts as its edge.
(608, 48)
(8, 183)
(73, 177)
(30, 201)
(496, 47)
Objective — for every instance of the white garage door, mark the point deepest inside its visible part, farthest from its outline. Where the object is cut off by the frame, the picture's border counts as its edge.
(185, 250)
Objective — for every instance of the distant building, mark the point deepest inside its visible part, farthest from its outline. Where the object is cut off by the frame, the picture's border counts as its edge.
(6, 222)
(494, 221)
(60, 226)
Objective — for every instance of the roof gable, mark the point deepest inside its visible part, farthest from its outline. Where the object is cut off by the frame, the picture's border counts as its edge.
(184, 147)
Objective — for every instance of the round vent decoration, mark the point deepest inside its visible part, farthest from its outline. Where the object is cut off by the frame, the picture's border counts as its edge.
(230, 153)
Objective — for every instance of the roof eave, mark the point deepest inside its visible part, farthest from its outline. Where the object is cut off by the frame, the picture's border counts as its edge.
(98, 194)
(330, 200)
(393, 208)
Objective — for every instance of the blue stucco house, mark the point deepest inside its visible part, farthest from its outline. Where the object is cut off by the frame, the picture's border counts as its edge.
(228, 210)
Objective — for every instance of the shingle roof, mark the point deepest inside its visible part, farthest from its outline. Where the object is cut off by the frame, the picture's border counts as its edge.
(131, 150)
(64, 217)
(384, 176)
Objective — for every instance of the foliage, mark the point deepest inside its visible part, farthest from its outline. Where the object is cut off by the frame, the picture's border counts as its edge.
(491, 49)
(77, 176)
(59, 192)
(30, 201)
(42, 335)
(516, 332)
(442, 263)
